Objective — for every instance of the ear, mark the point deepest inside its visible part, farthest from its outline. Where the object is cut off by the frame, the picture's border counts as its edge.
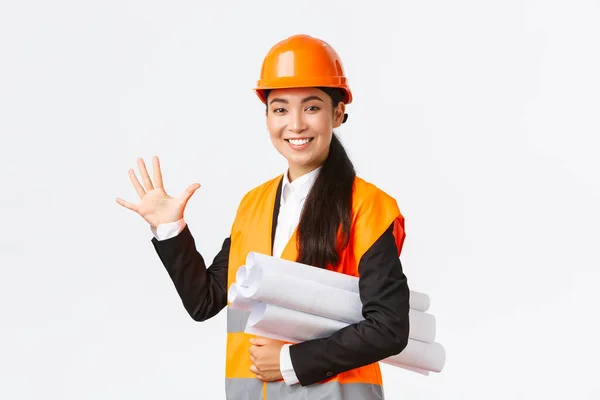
(338, 115)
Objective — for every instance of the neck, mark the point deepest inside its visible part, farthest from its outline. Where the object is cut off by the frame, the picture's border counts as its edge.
(296, 171)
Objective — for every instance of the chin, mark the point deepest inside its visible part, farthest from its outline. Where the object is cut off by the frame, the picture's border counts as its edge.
(300, 161)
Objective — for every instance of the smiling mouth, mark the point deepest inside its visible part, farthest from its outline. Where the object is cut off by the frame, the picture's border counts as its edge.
(299, 142)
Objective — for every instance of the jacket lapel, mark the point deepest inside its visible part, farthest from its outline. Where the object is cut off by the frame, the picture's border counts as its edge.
(275, 213)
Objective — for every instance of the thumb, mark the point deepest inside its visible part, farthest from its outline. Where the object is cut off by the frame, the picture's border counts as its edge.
(185, 196)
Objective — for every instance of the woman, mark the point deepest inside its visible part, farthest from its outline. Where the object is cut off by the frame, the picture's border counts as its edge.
(318, 213)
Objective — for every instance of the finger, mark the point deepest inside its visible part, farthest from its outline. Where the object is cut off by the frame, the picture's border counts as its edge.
(260, 341)
(253, 369)
(144, 173)
(185, 196)
(136, 184)
(158, 182)
(252, 351)
(127, 204)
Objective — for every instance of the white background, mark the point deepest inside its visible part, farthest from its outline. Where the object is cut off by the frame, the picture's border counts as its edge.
(481, 118)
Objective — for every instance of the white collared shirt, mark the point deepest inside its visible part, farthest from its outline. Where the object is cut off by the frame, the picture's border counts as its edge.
(293, 196)
(291, 203)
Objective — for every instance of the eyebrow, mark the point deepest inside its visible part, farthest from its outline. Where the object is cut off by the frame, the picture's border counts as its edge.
(304, 100)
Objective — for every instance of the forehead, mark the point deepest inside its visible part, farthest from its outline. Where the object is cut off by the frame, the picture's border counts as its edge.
(297, 94)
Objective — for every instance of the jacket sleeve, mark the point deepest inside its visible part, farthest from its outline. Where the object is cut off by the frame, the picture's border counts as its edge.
(384, 331)
(203, 291)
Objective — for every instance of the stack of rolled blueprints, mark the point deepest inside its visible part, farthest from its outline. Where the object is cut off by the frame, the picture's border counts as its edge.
(294, 302)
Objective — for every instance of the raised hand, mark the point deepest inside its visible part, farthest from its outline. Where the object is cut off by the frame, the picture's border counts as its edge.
(155, 205)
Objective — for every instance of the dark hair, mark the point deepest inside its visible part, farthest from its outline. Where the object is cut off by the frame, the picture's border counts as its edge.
(324, 227)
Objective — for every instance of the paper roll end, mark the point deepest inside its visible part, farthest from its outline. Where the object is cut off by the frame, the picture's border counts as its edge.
(443, 357)
(232, 293)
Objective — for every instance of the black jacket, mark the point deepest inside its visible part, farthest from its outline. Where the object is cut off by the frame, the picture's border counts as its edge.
(383, 290)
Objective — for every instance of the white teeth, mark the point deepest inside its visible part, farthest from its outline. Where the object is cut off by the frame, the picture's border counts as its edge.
(298, 142)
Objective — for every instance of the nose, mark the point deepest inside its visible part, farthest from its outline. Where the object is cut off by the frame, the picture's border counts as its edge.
(296, 124)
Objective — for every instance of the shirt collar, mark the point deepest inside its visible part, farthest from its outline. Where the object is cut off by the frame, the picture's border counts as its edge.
(300, 187)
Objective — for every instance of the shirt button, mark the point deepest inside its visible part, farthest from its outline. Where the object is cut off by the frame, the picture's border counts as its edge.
(329, 373)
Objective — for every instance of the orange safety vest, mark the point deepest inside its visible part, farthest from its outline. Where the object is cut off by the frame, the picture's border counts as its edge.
(373, 211)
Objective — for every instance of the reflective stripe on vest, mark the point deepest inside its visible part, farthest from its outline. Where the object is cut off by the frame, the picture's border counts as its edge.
(236, 320)
(252, 389)
(373, 212)
(329, 390)
(243, 389)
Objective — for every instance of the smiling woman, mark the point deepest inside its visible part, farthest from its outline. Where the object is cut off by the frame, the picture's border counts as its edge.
(318, 212)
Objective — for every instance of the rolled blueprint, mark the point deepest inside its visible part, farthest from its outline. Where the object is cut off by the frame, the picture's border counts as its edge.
(418, 301)
(272, 285)
(241, 275)
(238, 301)
(266, 284)
(295, 326)
(421, 355)
(291, 323)
(299, 270)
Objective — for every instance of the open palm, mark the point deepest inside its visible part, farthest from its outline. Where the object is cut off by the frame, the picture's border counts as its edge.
(155, 205)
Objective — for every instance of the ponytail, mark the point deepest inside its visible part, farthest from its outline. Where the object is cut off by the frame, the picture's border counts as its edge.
(324, 228)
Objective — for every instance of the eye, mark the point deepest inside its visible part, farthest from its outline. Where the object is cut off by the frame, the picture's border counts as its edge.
(312, 108)
(279, 110)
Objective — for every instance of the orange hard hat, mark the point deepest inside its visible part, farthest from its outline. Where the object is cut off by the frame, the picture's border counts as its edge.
(302, 61)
